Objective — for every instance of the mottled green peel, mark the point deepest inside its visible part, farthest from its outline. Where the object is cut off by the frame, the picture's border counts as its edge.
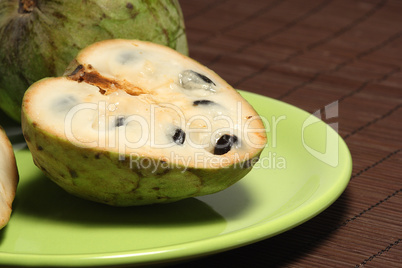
(40, 39)
(115, 182)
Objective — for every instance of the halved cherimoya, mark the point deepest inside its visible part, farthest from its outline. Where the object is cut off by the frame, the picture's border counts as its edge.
(135, 123)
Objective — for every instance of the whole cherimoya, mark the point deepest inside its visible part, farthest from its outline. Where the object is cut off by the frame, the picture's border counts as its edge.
(134, 123)
(39, 38)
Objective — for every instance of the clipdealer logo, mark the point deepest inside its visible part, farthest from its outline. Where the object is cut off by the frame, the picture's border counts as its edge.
(269, 160)
(148, 128)
(330, 156)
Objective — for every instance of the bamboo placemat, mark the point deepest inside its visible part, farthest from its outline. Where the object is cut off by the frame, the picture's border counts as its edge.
(311, 54)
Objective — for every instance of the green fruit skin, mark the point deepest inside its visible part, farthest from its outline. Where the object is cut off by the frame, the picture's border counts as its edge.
(100, 176)
(42, 43)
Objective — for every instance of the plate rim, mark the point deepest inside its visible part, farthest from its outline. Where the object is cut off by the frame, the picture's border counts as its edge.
(202, 247)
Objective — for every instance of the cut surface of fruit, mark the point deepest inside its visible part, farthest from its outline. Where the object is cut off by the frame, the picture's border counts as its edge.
(143, 102)
(8, 178)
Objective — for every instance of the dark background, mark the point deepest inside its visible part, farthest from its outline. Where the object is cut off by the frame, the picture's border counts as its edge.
(310, 54)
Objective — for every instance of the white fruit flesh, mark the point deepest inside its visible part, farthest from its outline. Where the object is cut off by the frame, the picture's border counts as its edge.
(131, 97)
(8, 178)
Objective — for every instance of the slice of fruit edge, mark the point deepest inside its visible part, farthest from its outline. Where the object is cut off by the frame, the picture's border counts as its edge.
(9, 178)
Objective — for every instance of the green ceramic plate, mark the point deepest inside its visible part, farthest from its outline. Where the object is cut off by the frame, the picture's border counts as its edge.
(305, 167)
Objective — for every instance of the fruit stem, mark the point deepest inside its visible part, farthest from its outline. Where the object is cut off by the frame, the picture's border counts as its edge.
(26, 6)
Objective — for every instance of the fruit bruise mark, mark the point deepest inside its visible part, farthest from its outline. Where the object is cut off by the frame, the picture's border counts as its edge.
(59, 15)
(251, 162)
(26, 137)
(73, 173)
(43, 169)
(106, 85)
(26, 6)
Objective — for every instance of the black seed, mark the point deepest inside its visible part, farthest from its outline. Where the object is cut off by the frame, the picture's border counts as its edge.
(202, 102)
(120, 121)
(193, 80)
(40, 148)
(79, 67)
(224, 144)
(129, 6)
(206, 79)
(179, 136)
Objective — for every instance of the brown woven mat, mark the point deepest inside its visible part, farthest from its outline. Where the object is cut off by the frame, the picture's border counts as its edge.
(309, 54)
